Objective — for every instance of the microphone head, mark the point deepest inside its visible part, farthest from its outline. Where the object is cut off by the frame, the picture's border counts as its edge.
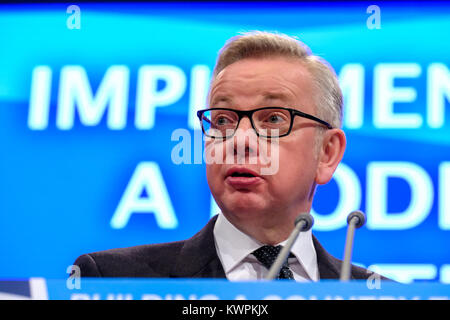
(359, 217)
(307, 219)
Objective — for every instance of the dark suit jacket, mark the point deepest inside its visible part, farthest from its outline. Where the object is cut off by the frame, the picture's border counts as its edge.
(192, 258)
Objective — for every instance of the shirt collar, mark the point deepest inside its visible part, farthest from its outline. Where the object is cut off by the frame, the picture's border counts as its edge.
(303, 250)
(234, 245)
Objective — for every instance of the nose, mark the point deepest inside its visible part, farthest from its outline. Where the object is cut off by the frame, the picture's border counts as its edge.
(245, 124)
(245, 140)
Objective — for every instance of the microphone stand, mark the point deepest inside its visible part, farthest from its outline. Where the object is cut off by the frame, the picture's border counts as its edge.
(355, 220)
(303, 222)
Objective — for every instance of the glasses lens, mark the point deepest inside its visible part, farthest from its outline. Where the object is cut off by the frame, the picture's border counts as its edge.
(272, 122)
(219, 123)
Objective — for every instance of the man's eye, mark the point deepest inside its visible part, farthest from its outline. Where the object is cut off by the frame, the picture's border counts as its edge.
(275, 118)
(221, 121)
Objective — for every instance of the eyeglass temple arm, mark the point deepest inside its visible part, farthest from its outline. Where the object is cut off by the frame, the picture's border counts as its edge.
(305, 115)
(201, 117)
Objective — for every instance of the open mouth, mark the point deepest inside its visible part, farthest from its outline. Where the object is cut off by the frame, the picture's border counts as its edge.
(243, 174)
(242, 178)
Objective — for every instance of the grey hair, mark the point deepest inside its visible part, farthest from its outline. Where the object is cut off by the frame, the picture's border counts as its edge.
(258, 44)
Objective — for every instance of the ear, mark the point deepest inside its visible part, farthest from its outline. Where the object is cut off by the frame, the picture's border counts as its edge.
(330, 154)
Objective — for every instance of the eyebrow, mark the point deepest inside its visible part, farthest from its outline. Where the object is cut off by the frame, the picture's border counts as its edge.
(275, 96)
(220, 99)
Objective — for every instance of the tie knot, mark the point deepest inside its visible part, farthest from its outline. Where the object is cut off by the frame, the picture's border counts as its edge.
(267, 256)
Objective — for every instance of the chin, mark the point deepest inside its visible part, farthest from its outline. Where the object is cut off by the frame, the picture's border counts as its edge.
(246, 205)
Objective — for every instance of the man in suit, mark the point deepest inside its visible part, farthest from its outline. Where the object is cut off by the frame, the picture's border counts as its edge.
(272, 135)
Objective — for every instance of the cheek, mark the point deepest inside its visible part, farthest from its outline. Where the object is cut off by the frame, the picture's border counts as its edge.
(213, 176)
(297, 165)
(213, 156)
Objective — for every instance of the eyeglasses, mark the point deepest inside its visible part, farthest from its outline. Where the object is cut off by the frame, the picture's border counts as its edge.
(268, 122)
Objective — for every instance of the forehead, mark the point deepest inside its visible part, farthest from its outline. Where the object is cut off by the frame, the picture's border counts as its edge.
(256, 80)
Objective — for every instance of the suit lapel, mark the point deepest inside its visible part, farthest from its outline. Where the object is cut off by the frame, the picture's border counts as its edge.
(329, 266)
(198, 257)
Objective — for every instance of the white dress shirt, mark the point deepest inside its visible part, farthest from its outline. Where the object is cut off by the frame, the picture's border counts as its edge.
(234, 249)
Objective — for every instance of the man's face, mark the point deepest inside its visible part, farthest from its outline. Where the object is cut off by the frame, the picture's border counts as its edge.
(255, 83)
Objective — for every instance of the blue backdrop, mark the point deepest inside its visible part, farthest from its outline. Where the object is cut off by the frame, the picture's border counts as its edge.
(95, 100)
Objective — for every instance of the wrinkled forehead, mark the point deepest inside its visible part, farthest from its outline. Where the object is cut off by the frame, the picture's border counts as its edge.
(260, 80)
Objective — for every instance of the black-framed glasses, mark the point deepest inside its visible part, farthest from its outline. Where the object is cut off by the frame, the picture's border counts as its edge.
(268, 122)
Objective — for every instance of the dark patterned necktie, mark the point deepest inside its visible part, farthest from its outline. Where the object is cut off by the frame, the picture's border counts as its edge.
(267, 256)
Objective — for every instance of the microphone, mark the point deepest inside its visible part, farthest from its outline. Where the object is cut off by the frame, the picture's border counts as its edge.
(355, 220)
(303, 222)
